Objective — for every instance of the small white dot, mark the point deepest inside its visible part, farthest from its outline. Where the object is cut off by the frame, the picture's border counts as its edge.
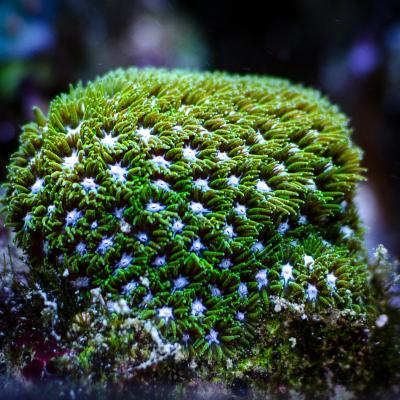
(105, 244)
(242, 290)
(27, 221)
(180, 282)
(147, 299)
(233, 181)
(203, 131)
(279, 169)
(118, 172)
(125, 226)
(260, 138)
(197, 308)
(125, 261)
(109, 140)
(177, 226)
(293, 149)
(129, 287)
(197, 246)
(382, 320)
(308, 261)
(312, 292)
(311, 185)
(73, 131)
(37, 186)
(258, 247)
(302, 220)
(287, 273)
(241, 210)
(72, 217)
(46, 247)
(94, 225)
(262, 186)
(119, 212)
(283, 228)
(245, 150)
(228, 231)
(144, 134)
(89, 184)
(328, 166)
(261, 278)
(154, 207)
(71, 161)
(189, 153)
(198, 208)
(50, 209)
(215, 291)
(240, 316)
(346, 231)
(81, 249)
(165, 313)
(185, 337)
(144, 280)
(225, 263)
(201, 184)
(142, 237)
(162, 185)
(160, 261)
(331, 280)
(212, 337)
(160, 161)
(223, 156)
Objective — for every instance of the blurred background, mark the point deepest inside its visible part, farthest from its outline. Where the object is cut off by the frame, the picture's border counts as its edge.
(348, 49)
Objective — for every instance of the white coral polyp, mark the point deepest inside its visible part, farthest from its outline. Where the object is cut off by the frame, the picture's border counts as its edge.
(262, 186)
(162, 185)
(312, 292)
(160, 161)
(165, 313)
(155, 207)
(89, 184)
(201, 184)
(109, 140)
(105, 244)
(144, 134)
(72, 217)
(197, 246)
(118, 172)
(197, 308)
(37, 186)
(71, 161)
(287, 273)
(212, 337)
(198, 208)
(189, 153)
(233, 181)
(241, 210)
(225, 263)
(261, 278)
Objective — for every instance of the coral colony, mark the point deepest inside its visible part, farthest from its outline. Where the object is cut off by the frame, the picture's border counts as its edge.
(198, 198)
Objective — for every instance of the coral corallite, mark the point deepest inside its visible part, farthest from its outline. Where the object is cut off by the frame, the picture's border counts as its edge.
(202, 198)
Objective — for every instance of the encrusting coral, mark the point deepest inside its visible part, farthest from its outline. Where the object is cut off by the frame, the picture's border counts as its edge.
(207, 202)
(197, 196)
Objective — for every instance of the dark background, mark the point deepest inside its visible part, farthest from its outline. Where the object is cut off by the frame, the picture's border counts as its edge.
(348, 49)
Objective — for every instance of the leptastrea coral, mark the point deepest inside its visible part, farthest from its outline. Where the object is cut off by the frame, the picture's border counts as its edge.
(199, 197)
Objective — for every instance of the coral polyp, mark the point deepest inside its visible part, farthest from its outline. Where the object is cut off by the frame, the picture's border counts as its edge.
(199, 197)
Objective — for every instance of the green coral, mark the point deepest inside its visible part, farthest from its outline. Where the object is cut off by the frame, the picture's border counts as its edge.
(207, 200)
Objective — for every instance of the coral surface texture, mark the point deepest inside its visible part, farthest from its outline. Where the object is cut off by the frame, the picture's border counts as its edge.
(208, 202)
